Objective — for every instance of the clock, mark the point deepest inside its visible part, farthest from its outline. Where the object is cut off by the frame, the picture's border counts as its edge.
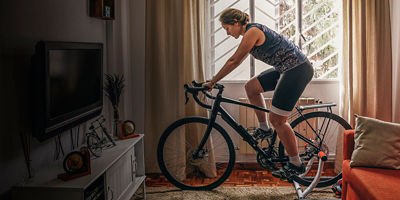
(76, 162)
(128, 127)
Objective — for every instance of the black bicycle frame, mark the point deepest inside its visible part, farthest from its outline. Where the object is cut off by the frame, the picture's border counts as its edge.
(217, 108)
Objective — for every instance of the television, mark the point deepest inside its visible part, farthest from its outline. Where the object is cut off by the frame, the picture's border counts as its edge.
(68, 85)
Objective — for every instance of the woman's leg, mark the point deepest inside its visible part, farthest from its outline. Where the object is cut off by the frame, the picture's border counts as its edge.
(254, 92)
(285, 133)
(264, 82)
(288, 90)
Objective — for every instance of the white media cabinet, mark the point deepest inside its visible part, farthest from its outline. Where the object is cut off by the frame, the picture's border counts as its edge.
(116, 175)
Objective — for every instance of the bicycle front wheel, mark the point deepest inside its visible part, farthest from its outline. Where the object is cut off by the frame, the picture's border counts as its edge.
(322, 128)
(212, 165)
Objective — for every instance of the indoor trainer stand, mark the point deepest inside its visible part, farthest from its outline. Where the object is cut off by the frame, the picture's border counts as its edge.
(303, 194)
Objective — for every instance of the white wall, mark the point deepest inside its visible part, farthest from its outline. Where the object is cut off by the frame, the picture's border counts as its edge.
(327, 91)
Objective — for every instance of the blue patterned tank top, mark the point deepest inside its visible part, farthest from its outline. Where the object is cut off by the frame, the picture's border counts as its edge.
(277, 51)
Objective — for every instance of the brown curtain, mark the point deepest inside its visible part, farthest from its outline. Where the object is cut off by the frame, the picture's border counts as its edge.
(174, 56)
(367, 63)
(395, 22)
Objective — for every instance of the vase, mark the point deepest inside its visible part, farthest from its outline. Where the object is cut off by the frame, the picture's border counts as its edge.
(115, 123)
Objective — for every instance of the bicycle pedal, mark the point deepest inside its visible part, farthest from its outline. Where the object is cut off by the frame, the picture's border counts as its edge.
(281, 174)
(284, 174)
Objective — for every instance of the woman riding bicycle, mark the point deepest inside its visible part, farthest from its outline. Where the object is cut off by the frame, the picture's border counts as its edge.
(289, 76)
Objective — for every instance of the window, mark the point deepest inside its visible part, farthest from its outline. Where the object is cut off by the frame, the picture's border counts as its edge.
(313, 25)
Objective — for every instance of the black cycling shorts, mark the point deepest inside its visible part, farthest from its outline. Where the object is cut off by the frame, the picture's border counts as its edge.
(288, 86)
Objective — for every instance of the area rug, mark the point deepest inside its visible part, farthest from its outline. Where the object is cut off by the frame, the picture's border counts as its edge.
(236, 193)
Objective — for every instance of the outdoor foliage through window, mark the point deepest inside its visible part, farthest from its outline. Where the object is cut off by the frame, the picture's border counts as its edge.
(316, 32)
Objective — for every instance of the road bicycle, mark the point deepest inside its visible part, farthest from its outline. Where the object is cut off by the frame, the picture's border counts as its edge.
(197, 153)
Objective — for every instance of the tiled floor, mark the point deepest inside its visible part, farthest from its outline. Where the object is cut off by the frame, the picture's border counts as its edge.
(242, 175)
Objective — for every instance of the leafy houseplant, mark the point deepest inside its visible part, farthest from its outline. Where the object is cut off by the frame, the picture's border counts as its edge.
(113, 88)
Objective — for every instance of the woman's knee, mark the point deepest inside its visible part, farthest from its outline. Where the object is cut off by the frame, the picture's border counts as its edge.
(253, 87)
(277, 120)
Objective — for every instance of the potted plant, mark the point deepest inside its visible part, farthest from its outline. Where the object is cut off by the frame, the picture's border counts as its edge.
(113, 88)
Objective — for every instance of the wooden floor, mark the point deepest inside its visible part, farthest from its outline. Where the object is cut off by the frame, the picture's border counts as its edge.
(242, 175)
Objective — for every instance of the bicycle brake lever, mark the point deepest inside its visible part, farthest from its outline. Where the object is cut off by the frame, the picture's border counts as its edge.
(186, 98)
(195, 84)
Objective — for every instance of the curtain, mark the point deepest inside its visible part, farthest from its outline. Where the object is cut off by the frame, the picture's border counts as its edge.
(366, 75)
(174, 56)
(395, 21)
(120, 48)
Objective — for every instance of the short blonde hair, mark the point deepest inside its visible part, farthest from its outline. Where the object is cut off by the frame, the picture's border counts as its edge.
(232, 15)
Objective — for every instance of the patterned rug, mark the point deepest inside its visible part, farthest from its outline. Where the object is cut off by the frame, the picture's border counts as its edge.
(236, 193)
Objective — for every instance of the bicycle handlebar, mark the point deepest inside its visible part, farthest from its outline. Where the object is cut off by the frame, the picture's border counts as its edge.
(199, 87)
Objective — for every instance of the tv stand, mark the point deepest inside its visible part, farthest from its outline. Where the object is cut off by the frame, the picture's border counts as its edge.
(117, 174)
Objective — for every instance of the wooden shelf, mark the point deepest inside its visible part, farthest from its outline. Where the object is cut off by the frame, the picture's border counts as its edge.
(103, 9)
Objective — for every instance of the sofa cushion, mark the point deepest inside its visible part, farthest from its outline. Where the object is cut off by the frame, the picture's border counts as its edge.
(373, 183)
(377, 144)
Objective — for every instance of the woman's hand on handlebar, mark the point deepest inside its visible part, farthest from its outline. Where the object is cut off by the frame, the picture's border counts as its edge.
(210, 84)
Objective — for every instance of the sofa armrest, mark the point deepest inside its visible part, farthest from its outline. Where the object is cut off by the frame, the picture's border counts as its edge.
(348, 144)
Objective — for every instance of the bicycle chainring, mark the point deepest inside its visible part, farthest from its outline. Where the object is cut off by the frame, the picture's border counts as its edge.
(262, 161)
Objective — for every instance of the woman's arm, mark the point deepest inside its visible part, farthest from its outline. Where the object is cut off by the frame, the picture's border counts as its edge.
(250, 38)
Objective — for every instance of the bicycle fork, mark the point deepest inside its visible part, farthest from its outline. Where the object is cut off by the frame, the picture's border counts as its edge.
(214, 112)
(213, 117)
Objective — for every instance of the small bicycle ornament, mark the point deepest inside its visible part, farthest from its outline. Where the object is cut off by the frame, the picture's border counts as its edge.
(96, 141)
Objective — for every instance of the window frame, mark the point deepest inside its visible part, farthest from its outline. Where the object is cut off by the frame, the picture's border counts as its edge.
(210, 71)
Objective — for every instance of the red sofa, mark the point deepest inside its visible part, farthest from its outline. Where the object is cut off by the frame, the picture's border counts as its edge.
(362, 183)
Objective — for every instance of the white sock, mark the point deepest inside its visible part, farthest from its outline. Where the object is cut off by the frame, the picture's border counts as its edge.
(263, 125)
(295, 160)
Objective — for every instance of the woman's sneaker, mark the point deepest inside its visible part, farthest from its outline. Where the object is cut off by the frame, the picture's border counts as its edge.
(261, 134)
(289, 170)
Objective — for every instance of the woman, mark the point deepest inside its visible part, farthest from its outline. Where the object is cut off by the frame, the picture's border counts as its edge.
(289, 76)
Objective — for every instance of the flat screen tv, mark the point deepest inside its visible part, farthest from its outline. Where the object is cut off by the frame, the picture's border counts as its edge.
(68, 82)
